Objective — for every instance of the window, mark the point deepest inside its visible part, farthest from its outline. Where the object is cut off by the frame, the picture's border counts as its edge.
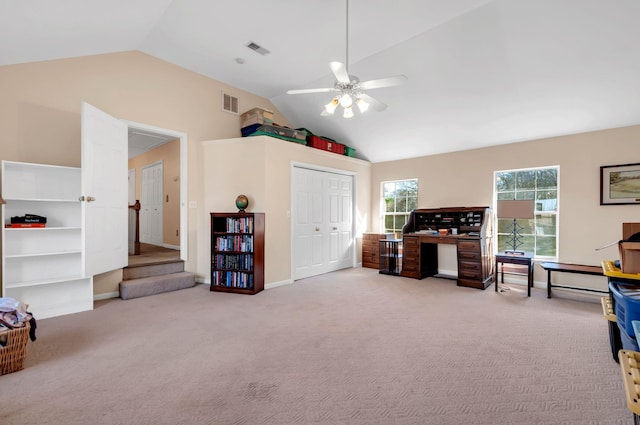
(400, 198)
(540, 235)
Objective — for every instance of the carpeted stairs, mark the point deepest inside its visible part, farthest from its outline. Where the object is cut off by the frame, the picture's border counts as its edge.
(151, 279)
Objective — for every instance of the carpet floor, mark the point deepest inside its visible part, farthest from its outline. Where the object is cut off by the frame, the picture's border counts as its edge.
(349, 347)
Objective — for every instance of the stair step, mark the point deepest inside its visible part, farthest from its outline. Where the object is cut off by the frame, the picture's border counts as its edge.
(149, 270)
(152, 285)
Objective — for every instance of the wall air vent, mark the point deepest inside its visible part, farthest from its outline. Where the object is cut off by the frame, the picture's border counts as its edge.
(229, 103)
(257, 48)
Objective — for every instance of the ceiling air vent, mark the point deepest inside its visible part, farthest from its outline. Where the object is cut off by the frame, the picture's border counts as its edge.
(257, 48)
(229, 103)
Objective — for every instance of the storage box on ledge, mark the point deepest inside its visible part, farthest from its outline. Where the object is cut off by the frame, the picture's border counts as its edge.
(325, 144)
(284, 133)
(349, 151)
(256, 116)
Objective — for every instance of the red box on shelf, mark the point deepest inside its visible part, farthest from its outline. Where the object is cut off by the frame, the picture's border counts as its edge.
(325, 144)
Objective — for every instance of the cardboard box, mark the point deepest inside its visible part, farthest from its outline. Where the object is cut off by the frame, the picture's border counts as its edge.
(629, 257)
(256, 116)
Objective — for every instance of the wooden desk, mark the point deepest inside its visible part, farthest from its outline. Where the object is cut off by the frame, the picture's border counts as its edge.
(571, 268)
(420, 258)
(525, 259)
(473, 243)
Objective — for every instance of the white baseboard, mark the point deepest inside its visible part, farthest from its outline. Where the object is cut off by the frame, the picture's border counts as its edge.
(277, 284)
(176, 247)
(106, 296)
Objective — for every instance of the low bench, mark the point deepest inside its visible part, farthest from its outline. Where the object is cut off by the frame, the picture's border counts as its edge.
(570, 268)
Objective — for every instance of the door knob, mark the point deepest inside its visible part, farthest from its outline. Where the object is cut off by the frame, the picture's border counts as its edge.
(90, 199)
(335, 228)
(317, 229)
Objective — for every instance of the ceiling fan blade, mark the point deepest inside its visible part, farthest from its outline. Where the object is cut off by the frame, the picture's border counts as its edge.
(375, 104)
(303, 91)
(340, 71)
(383, 82)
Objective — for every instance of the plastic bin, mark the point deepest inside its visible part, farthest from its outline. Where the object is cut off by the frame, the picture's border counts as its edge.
(281, 133)
(249, 130)
(628, 342)
(325, 144)
(349, 151)
(626, 302)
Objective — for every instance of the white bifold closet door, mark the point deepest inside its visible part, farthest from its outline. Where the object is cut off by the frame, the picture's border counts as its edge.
(323, 222)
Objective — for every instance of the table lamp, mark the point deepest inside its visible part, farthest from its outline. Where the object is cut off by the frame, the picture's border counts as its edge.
(515, 209)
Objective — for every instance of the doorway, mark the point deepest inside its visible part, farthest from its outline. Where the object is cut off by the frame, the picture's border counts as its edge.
(143, 138)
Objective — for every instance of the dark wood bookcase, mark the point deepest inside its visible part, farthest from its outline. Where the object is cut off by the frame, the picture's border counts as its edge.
(237, 252)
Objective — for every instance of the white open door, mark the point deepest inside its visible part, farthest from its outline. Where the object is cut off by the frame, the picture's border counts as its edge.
(104, 189)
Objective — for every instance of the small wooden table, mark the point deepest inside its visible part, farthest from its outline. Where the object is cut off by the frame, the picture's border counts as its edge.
(571, 268)
(525, 259)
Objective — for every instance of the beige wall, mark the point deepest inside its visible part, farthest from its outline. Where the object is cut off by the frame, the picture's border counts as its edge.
(169, 154)
(260, 168)
(40, 121)
(40, 114)
(466, 179)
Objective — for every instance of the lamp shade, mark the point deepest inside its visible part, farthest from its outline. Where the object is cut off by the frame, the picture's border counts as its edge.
(515, 208)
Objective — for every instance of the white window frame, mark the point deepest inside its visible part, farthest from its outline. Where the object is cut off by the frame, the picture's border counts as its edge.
(383, 205)
(555, 213)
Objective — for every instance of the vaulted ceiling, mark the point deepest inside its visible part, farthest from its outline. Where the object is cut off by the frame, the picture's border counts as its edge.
(480, 72)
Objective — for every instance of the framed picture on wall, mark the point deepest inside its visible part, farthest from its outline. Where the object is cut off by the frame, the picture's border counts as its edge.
(620, 184)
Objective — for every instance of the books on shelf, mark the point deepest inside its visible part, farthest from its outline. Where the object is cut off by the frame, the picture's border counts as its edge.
(24, 225)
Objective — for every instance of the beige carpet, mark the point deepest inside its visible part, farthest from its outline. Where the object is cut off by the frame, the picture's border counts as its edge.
(150, 254)
(351, 347)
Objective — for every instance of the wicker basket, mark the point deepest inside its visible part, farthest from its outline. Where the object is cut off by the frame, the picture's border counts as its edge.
(13, 349)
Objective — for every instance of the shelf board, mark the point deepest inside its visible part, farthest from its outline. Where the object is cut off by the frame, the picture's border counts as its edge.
(43, 254)
(40, 200)
(41, 229)
(23, 284)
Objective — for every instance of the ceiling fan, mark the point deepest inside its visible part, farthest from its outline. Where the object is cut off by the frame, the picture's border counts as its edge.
(350, 88)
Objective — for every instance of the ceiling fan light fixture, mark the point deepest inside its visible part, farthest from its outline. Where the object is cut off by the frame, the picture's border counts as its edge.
(363, 105)
(346, 101)
(330, 107)
(348, 112)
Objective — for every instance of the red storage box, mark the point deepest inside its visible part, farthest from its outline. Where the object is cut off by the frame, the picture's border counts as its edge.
(325, 144)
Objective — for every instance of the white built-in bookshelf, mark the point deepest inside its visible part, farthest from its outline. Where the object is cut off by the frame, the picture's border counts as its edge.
(43, 267)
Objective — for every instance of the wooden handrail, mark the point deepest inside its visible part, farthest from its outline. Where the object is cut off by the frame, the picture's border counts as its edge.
(136, 244)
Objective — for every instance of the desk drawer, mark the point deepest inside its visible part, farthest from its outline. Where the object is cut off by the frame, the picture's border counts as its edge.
(410, 241)
(469, 266)
(469, 274)
(468, 255)
(469, 246)
(410, 266)
(370, 252)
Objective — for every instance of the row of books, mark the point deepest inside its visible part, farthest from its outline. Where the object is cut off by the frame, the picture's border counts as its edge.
(232, 279)
(238, 243)
(240, 225)
(241, 261)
